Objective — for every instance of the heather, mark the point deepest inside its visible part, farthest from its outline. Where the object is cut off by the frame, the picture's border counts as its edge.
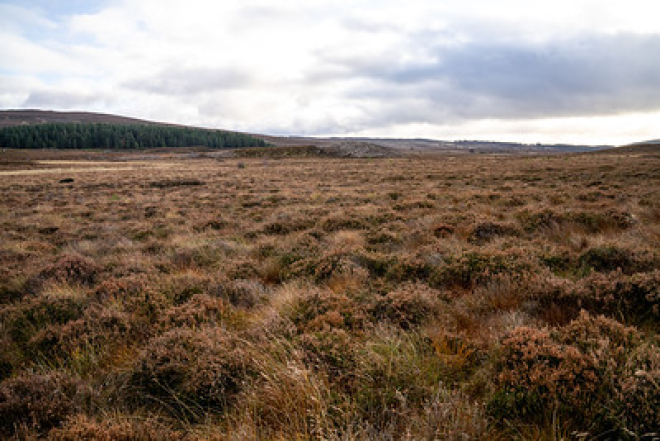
(303, 297)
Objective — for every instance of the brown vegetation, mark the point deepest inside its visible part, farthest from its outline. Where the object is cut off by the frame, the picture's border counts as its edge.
(304, 297)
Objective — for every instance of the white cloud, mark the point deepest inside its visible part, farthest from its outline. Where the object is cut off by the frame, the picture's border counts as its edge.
(470, 69)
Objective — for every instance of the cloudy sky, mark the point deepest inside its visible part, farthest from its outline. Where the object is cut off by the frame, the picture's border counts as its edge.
(583, 71)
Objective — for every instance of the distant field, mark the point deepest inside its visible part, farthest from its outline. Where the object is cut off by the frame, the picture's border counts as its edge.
(430, 297)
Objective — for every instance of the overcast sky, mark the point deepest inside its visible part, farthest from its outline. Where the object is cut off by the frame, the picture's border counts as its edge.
(582, 71)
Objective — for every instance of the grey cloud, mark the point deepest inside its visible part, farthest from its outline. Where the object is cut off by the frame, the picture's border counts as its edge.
(592, 75)
(191, 81)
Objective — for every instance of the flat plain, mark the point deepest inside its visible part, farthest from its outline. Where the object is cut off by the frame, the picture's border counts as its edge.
(429, 297)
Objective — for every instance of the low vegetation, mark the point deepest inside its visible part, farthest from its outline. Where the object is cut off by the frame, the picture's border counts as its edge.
(480, 297)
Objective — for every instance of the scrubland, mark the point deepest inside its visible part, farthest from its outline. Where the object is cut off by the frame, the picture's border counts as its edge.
(448, 297)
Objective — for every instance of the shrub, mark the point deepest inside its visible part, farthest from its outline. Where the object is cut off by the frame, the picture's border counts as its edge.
(318, 310)
(575, 370)
(183, 286)
(192, 371)
(534, 221)
(242, 293)
(407, 306)
(591, 222)
(636, 296)
(24, 320)
(200, 311)
(97, 328)
(484, 232)
(332, 351)
(612, 258)
(638, 392)
(72, 269)
(118, 288)
(409, 268)
(472, 268)
(39, 401)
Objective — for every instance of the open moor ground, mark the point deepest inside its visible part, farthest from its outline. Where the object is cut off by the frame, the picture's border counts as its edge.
(444, 297)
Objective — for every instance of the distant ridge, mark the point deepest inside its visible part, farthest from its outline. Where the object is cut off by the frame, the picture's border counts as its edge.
(644, 147)
(22, 117)
(10, 118)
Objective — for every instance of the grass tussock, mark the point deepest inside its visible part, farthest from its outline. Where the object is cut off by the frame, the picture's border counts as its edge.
(300, 296)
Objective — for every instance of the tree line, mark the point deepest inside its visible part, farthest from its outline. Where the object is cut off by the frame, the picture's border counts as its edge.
(119, 136)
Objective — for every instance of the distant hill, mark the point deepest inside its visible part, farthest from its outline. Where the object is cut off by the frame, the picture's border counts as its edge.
(38, 129)
(644, 147)
(10, 118)
(431, 145)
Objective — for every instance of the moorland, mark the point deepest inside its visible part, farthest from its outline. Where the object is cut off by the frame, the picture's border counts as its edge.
(300, 297)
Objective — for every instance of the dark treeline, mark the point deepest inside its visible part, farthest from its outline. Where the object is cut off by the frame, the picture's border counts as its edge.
(115, 136)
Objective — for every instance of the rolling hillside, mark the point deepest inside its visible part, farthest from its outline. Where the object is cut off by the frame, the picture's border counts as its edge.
(9, 118)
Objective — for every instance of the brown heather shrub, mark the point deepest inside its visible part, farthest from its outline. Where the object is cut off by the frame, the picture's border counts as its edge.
(40, 401)
(409, 267)
(612, 258)
(472, 268)
(284, 226)
(191, 372)
(342, 221)
(195, 256)
(24, 320)
(72, 269)
(382, 237)
(241, 293)
(408, 306)
(575, 370)
(181, 287)
(146, 308)
(320, 267)
(119, 288)
(211, 223)
(241, 268)
(590, 221)
(324, 309)
(82, 428)
(635, 297)
(97, 328)
(534, 221)
(332, 351)
(487, 231)
(638, 391)
(202, 310)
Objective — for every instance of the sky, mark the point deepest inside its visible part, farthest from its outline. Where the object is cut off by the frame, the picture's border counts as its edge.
(561, 71)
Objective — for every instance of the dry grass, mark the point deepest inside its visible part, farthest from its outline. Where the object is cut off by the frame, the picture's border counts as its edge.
(322, 298)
